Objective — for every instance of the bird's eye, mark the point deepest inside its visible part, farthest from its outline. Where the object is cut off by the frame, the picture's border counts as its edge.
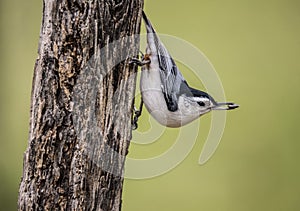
(201, 103)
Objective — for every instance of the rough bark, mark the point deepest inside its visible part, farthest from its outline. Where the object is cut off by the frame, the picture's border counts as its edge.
(81, 106)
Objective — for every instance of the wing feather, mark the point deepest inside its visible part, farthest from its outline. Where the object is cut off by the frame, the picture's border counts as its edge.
(170, 76)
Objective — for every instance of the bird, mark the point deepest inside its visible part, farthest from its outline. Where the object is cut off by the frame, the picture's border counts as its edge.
(164, 91)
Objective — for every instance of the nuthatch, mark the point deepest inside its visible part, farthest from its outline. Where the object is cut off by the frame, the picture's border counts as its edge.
(165, 93)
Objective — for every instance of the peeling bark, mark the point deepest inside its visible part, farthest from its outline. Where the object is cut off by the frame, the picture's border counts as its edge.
(81, 106)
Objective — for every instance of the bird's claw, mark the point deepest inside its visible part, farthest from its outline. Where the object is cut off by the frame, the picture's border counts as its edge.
(137, 114)
(139, 62)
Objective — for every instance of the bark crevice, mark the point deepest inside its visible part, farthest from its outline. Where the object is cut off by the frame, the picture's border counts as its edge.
(81, 106)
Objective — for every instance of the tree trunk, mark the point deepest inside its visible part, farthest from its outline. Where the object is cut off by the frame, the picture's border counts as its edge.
(81, 107)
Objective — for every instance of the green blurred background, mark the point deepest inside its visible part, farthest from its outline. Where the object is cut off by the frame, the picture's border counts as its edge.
(255, 48)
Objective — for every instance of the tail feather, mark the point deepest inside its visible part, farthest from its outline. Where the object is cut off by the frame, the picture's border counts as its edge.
(148, 24)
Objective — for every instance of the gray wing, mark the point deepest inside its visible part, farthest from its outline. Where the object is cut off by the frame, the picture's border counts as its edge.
(171, 78)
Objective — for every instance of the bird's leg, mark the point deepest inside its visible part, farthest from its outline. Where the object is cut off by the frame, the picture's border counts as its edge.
(144, 60)
(137, 114)
(143, 56)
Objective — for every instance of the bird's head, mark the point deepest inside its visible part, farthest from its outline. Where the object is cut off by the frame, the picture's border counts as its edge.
(207, 103)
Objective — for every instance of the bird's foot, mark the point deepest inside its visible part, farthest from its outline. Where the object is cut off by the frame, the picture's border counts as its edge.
(139, 62)
(137, 114)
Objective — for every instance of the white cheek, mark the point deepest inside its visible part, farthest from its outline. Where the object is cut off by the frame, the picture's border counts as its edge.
(186, 103)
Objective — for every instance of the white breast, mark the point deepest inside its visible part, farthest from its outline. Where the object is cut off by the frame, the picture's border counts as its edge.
(155, 102)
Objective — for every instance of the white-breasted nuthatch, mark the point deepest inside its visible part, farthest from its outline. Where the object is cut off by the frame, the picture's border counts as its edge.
(165, 93)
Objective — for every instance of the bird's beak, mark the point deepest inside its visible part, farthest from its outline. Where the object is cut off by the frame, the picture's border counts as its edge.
(225, 106)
